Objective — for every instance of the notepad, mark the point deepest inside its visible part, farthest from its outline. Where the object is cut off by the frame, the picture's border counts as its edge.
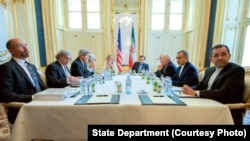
(100, 99)
(161, 99)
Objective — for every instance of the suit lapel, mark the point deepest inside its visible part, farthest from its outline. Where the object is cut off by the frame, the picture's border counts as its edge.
(61, 71)
(22, 72)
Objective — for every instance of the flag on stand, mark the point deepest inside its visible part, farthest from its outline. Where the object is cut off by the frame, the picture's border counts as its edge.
(119, 50)
(132, 49)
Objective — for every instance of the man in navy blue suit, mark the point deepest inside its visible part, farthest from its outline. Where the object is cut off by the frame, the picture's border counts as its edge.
(186, 72)
(58, 74)
(166, 67)
(139, 66)
(79, 66)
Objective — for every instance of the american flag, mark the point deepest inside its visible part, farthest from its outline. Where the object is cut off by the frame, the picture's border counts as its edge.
(132, 49)
(119, 51)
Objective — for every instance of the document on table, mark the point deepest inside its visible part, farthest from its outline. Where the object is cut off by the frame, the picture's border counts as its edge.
(105, 98)
(161, 99)
(56, 93)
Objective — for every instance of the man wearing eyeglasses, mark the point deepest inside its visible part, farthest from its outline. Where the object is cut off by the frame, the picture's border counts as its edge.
(223, 82)
(58, 74)
(19, 79)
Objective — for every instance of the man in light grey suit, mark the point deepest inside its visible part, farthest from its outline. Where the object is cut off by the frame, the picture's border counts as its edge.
(18, 82)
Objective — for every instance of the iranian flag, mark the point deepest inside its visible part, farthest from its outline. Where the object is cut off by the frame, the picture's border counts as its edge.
(132, 49)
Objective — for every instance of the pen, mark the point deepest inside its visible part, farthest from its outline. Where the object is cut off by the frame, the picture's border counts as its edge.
(101, 95)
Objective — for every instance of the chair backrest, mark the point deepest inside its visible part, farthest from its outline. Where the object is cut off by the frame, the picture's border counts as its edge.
(4, 125)
(4, 57)
(246, 94)
(201, 75)
(42, 75)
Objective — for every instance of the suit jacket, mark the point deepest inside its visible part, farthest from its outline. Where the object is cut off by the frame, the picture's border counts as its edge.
(55, 75)
(136, 67)
(16, 85)
(168, 70)
(78, 69)
(189, 75)
(227, 87)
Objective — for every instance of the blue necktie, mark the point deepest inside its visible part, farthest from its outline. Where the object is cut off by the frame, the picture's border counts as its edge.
(34, 77)
(140, 67)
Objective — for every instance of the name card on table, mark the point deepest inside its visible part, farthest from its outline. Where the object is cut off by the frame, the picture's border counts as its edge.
(56, 93)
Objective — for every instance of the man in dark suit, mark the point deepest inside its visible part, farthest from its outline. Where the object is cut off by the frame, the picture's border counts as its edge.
(166, 67)
(223, 82)
(19, 80)
(139, 66)
(186, 72)
(57, 73)
(79, 65)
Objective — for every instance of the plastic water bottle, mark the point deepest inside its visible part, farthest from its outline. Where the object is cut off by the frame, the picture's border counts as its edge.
(83, 86)
(246, 118)
(128, 85)
(168, 86)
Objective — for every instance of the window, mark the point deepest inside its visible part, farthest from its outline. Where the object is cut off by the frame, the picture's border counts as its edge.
(78, 8)
(59, 13)
(175, 15)
(75, 13)
(93, 14)
(246, 57)
(172, 11)
(158, 14)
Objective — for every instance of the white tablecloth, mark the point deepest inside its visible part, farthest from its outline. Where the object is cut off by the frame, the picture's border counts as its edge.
(64, 121)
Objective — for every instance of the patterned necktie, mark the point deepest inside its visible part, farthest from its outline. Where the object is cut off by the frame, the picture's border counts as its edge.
(66, 71)
(34, 77)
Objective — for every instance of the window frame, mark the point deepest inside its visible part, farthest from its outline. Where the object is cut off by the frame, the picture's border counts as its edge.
(166, 17)
(84, 13)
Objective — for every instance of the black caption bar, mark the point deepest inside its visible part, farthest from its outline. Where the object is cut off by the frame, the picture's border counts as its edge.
(163, 132)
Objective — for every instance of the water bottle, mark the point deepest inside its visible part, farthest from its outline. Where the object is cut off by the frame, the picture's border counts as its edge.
(128, 85)
(89, 87)
(168, 86)
(83, 86)
(162, 78)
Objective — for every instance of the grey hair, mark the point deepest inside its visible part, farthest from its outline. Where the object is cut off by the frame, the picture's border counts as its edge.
(83, 51)
(168, 56)
(63, 52)
(92, 57)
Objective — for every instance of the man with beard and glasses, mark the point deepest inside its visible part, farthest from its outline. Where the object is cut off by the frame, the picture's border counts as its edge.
(223, 82)
(19, 79)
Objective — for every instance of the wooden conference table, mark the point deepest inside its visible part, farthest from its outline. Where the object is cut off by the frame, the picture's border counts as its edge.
(65, 121)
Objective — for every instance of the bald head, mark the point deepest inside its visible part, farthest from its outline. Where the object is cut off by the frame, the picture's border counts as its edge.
(18, 48)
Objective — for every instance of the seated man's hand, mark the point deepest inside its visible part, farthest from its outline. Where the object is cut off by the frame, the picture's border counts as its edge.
(188, 90)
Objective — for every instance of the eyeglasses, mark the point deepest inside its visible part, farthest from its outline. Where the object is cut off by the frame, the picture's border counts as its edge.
(222, 55)
(67, 58)
(22, 45)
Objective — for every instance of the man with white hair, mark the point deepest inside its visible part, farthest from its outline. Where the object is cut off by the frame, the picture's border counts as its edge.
(79, 65)
(57, 73)
(166, 67)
